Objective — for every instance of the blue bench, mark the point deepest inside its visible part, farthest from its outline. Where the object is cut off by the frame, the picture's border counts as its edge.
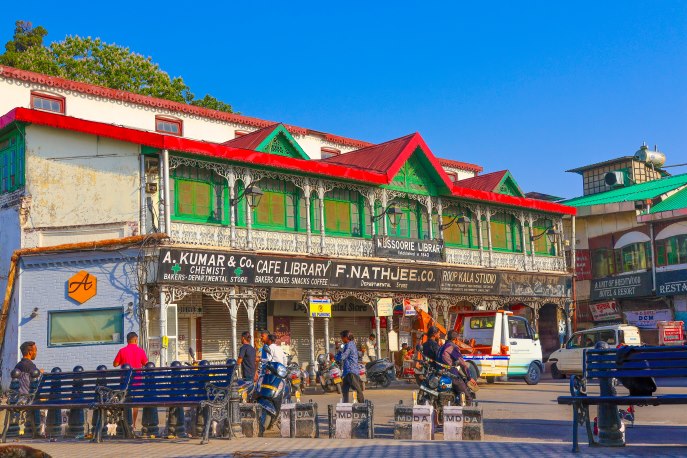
(633, 367)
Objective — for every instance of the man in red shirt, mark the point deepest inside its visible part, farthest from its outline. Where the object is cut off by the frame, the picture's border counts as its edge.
(134, 356)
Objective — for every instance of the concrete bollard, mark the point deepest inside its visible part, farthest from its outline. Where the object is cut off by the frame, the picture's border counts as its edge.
(403, 421)
(250, 416)
(176, 417)
(473, 424)
(453, 423)
(299, 420)
(76, 421)
(150, 419)
(53, 419)
(352, 421)
(13, 428)
(423, 423)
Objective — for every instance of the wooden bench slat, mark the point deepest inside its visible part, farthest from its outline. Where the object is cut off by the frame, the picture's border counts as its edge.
(638, 373)
(656, 364)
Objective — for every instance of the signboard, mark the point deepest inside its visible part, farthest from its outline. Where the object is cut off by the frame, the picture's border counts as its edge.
(648, 319)
(409, 306)
(393, 340)
(633, 285)
(670, 333)
(190, 310)
(392, 277)
(288, 276)
(82, 286)
(583, 265)
(385, 306)
(469, 281)
(282, 329)
(605, 311)
(420, 250)
(671, 283)
(207, 267)
(320, 307)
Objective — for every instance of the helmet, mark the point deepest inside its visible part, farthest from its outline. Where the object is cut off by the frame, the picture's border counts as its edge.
(321, 359)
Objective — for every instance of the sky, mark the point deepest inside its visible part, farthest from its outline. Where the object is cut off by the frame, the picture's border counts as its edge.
(533, 87)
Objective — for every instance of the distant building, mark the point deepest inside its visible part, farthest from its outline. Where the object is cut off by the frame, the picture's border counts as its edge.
(630, 243)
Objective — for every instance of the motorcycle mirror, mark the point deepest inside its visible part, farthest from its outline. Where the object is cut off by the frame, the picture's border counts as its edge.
(191, 352)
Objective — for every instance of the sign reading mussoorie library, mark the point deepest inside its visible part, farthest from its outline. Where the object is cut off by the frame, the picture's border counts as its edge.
(223, 268)
(421, 250)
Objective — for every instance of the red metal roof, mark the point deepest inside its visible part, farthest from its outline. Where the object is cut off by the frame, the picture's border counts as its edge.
(323, 168)
(376, 157)
(160, 104)
(486, 182)
(251, 140)
(460, 165)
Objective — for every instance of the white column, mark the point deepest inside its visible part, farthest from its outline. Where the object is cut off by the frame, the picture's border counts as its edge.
(311, 326)
(308, 228)
(233, 312)
(163, 324)
(429, 218)
(326, 335)
(489, 236)
(251, 319)
(320, 195)
(249, 215)
(168, 212)
(384, 218)
(379, 336)
(440, 219)
(531, 221)
(231, 182)
(522, 240)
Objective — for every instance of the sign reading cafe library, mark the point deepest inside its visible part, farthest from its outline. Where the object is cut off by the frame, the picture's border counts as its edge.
(421, 250)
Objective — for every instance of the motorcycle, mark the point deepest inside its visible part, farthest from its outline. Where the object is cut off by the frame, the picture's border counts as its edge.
(271, 391)
(381, 372)
(295, 376)
(329, 375)
(436, 389)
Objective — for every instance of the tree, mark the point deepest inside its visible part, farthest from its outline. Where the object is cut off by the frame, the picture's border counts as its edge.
(25, 37)
(90, 60)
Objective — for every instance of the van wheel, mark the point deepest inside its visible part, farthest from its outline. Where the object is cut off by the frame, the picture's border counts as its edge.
(555, 372)
(533, 374)
(491, 379)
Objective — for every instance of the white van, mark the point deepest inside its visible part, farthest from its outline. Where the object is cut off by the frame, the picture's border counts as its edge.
(568, 360)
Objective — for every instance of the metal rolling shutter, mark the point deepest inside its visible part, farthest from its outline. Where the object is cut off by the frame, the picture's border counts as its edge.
(216, 331)
(182, 345)
(300, 339)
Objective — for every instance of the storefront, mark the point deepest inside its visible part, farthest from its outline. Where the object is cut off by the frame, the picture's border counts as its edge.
(225, 291)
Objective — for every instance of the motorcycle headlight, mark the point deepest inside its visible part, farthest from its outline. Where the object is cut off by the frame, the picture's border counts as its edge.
(433, 382)
(281, 371)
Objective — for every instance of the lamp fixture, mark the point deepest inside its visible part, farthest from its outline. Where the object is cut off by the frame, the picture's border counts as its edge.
(462, 221)
(393, 212)
(129, 308)
(34, 314)
(252, 193)
(551, 233)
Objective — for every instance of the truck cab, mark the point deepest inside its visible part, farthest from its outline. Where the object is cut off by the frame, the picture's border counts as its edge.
(500, 344)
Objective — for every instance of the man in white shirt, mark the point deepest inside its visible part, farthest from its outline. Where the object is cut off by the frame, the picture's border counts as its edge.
(371, 348)
(276, 353)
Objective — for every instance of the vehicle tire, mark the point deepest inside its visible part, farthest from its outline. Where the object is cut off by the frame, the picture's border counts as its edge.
(338, 388)
(265, 422)
(555, 372)
(384, 381)
(533, 374)
(491, 379)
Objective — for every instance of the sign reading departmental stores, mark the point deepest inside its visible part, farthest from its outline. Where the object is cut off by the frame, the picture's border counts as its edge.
(421, 250)
(178, 265)
(633, 285)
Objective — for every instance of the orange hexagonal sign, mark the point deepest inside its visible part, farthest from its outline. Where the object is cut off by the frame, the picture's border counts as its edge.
(82, 286)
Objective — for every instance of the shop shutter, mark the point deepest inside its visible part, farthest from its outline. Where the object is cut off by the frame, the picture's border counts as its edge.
(216, 331)
(300, 339)
(185, 334)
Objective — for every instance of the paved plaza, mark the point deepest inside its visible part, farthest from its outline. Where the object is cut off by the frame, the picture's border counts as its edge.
(520, 420)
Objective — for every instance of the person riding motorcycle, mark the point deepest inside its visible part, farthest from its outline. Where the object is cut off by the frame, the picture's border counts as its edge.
(449, 354)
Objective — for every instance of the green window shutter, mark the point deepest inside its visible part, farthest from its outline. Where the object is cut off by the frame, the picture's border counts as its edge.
(661, 253)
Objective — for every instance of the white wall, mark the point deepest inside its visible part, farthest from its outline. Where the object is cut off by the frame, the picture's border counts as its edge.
(78, 179)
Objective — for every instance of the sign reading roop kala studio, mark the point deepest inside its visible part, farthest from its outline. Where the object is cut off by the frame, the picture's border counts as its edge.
(421, 250)
(632, 285)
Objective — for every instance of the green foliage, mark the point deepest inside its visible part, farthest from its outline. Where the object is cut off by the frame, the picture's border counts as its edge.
(90, 60)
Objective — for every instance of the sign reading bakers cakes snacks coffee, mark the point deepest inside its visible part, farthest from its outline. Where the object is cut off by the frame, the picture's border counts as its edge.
(632, 285)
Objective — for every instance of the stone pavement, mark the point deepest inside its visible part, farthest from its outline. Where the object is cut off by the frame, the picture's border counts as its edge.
(322, 448)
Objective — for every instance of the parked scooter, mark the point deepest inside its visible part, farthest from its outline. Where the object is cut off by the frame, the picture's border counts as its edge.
(295, 376)
(271, 391)
(381, 372)
(436, 389)
(328, 374)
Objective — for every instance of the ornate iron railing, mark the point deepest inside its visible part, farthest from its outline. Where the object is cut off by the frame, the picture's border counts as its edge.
(285, 242)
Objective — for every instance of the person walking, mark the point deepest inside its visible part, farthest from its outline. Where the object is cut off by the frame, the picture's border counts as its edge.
(134, 356)
(276, 352)
(371, 345)
(348, 358)
(246, 358)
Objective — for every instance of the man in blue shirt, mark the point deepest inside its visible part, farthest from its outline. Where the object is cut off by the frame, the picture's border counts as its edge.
(348, 358)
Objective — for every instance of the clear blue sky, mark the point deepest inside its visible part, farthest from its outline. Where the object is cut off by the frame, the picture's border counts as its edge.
(536, 88)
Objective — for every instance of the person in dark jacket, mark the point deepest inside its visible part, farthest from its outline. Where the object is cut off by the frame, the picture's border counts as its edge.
(26, 365)
(430, 349)
(450, 355)
(348, 358)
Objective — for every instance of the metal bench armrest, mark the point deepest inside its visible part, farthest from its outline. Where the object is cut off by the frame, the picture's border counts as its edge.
(109, 396)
